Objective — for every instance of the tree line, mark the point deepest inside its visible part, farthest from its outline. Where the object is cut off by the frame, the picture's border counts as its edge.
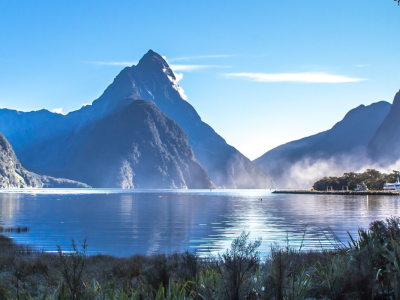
(372, 178)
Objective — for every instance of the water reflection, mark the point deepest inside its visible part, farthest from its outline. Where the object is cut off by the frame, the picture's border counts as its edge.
(9, 206)
(165, 221)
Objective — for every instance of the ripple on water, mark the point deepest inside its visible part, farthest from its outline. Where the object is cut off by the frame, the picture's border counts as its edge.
(124, 222)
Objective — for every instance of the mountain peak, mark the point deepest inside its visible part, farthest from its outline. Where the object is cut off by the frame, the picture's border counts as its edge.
(152, 58)
(396, 99)
(151, 53)
(384, 146)
(154, 64)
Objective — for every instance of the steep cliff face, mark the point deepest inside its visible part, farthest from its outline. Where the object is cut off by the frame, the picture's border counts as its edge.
(13, 175)
(154, 81)
(136, 147)
(346, 141)
(385, 145)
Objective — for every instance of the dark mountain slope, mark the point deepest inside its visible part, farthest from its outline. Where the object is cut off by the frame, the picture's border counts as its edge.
(355, 131)
(138, 146)
(385, 145)
(12, 121)
(151, 80)
(347, 138)
(278, 161)
(27, 127)
(13, 175)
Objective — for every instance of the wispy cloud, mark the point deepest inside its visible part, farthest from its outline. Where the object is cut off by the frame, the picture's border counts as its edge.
(174, 67)
(309, 77)
(201, 57)
(189, 68)
(58, 111)
(112, 63)
(362, 66)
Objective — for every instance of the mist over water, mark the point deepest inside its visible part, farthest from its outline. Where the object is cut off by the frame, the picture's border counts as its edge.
(122, 223)
(303, 174)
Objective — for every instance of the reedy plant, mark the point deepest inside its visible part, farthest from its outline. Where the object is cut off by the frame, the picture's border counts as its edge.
(234, 266)
(366, 268)
(73, 266)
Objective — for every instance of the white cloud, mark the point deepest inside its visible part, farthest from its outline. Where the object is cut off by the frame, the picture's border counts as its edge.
(58, 111)
(315, 77)
(362, 66)
(189, 68)
(182, 68)
(178, 76)
(200, 57)
(113, 63)
(176, 86)
(86, 104)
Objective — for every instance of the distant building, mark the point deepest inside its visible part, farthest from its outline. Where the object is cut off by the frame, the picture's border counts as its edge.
(392, 186)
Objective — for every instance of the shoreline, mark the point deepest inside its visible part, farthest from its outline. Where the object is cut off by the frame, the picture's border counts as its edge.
(358, 193)
(30, 274)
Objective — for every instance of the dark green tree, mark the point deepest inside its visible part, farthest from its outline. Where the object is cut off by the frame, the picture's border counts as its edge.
(373, 179)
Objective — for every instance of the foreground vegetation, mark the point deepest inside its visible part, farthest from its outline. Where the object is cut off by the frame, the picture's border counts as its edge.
(367, 268)
(373, 179)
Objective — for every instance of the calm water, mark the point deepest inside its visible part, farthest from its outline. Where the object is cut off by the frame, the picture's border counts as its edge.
(147, 221)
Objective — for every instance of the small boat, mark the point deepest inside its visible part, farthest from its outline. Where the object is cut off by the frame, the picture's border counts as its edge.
(361, 187)
(392, 186)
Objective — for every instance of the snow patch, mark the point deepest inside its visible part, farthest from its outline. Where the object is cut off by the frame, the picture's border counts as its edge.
(58, 111)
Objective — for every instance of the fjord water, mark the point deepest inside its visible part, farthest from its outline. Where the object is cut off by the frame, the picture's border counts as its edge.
(121, 222)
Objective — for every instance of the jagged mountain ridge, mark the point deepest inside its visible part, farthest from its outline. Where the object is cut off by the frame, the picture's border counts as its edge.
(152, 80)
(13, 175)
(136, 147)
(347, 139)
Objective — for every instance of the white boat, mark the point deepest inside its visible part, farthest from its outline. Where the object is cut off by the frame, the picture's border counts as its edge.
(392, 186)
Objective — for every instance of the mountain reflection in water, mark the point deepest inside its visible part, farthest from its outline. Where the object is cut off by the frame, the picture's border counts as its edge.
(121, 222)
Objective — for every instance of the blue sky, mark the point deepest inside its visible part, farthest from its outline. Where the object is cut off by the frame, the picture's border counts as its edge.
(261, 73)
